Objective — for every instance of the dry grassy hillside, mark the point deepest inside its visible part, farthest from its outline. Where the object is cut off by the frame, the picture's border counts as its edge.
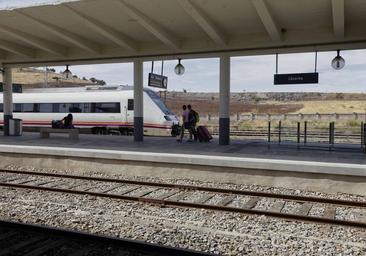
(270, 103)
(30, 77)
(333, 106)
(212, 106)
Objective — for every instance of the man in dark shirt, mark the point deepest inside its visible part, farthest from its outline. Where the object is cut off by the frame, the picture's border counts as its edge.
(192, 123)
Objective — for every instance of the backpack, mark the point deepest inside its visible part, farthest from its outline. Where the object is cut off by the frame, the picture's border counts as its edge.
(56, 124)
(196, 116)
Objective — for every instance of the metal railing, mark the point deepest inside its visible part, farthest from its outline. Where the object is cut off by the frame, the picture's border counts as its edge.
(294, 117)
(302, 133)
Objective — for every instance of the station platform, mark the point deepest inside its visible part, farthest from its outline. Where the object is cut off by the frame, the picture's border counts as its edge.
(314, 167)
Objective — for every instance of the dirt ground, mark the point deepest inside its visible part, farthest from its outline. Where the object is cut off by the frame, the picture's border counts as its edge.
(211, 107)
(271, 107)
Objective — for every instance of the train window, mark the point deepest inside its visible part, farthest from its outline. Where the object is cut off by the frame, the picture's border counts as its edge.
(17, 107)
(86, 107)
(36, 107)
(45, 107)
(28, 107)
(1, 107)
(107, 107)
(74, 108)
(55, 107)
(103, 107)
(130, 104)
(63, 108)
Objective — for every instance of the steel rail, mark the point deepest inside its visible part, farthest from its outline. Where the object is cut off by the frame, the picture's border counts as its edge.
(195, 205)
(199, 188)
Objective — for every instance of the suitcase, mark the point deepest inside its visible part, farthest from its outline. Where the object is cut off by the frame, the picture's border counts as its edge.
(203, 134)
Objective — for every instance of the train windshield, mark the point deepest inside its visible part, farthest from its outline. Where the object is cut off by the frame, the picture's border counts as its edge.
(155, 97)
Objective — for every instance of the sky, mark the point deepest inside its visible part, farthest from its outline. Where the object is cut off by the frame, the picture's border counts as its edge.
(254, 73)
(11, 4)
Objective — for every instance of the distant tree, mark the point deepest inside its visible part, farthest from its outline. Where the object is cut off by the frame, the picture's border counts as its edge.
(51, 70)
(101, 82)
(84, 78)
(339, 96)
(74, 76)
(97, 81)
(184, 91)
(56, 78)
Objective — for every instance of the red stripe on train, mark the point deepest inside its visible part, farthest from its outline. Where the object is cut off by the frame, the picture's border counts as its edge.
(117, 124)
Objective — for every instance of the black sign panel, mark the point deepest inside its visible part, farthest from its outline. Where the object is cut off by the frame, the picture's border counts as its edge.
(297, 78)
(158, 81)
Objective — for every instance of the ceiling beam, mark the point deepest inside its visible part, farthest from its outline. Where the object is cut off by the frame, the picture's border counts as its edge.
(2, 57)
(338, 17)
(16, 49)
(35, 41)
(113, 35)
(151, 26)
(64, 34)
(268, 20)
(204, 22)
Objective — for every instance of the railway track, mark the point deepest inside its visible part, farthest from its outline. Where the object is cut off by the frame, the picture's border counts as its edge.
(34, 240)
(292, 207)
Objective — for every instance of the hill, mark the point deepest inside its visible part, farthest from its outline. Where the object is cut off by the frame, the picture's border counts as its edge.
(34, 78)
(270, 102)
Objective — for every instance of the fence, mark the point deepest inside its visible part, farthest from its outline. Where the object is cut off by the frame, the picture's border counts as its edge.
(303, 133)
(294, 117)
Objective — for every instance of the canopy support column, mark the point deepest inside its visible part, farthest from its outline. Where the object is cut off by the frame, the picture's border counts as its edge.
(224, 108)
(7, 98)
(138, 103)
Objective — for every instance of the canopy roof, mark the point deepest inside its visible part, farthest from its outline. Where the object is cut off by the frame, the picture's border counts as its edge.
(97, 31)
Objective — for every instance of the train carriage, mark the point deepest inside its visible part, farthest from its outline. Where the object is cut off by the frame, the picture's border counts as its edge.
(100, 109)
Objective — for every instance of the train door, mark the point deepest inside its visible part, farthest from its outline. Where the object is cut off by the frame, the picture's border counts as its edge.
(129, 112)
(127, 118)
(124, 113)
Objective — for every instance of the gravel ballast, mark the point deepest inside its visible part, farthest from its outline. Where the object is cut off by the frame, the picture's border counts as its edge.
(210, 231)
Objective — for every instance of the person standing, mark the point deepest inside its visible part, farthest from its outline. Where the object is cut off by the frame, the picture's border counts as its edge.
(192, 119)
(185, 120)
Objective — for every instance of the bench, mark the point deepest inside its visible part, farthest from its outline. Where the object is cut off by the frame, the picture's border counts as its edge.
(73, 133)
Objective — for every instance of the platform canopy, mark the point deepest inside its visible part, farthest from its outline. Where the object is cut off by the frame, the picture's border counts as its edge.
(98, 31)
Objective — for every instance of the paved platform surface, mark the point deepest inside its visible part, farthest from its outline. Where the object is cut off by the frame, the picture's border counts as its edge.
(251, 162)
(238, 148)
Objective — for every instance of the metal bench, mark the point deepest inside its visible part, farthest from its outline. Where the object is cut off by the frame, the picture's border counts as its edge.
(73, 133)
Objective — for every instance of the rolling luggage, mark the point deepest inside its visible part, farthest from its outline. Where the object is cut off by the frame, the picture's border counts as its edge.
(203, 134)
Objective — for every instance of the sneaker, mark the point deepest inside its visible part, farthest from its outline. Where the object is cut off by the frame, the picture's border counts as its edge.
(190, 140)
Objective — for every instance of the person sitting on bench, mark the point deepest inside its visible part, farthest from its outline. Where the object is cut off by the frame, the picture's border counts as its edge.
(67, 122)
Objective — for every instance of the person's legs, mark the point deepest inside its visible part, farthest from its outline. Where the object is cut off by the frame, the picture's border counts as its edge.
(190, 132)
(194, 131)
(181, 133)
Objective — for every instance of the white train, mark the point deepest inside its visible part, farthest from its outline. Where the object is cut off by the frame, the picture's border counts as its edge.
(103, 109)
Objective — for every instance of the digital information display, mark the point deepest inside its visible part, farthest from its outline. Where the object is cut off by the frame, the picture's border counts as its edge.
(158, 81)
(297, 78)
